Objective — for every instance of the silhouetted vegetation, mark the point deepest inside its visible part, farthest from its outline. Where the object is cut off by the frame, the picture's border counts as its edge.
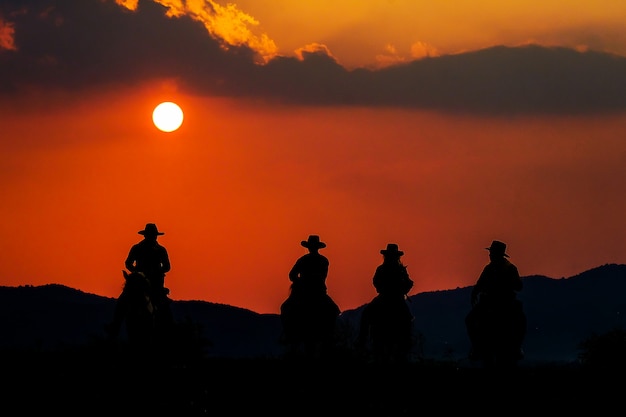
(605, 351)
(102, 380)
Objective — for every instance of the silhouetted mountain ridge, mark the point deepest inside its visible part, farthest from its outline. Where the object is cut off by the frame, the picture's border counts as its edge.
(561, 313)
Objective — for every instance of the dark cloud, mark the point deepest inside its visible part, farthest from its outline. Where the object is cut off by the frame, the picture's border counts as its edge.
(80, 44)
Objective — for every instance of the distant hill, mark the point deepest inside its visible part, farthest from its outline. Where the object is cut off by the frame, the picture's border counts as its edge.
(54, 317)
(561, 313)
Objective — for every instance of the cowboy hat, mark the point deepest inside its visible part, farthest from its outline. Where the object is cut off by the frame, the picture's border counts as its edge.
(150, 230)
(313, 242)
(498, 248)
(392, 249)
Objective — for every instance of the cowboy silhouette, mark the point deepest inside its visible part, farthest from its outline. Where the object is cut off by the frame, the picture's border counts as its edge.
(152, 260)
(388, 316)
(309, 314)
(496, 315)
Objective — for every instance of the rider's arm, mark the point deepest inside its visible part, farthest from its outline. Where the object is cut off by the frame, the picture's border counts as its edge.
(325, 266)
(406, 281)
(378, 279)
(478, 287)
(295, 272)
(165, 262)
(129, 263)
(516, 279)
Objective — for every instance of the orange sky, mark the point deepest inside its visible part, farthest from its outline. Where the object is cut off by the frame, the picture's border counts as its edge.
(378, 32)
(270, 153)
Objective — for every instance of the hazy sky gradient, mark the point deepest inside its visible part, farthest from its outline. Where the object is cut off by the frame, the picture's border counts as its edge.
(295, 124)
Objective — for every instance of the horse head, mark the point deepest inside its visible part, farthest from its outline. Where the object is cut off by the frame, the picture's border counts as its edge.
(138, 288)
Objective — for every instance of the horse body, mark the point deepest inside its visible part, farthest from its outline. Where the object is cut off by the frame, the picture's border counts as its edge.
(140, 310)
(497, 332)
(309, 323)
(386, 330)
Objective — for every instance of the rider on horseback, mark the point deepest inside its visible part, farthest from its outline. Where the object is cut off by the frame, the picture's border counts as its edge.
(308, 302)
(151, 259)
(392, 283)
(494, 296)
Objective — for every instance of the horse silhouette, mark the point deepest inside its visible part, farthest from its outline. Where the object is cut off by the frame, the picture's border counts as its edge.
(140, 314)
(309, 324)
(497, 332)
(386, 330)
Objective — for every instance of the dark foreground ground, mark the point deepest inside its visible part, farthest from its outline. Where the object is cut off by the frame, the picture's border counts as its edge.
(102, 382)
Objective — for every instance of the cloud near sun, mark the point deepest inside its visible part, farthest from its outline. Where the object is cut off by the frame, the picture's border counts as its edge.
(227, 23)
(220, 51)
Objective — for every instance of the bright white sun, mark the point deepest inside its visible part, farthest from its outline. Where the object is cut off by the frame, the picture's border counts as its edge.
(167, 116)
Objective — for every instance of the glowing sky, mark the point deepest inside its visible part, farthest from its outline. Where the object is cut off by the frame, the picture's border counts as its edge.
(439, 127)
(379, 32)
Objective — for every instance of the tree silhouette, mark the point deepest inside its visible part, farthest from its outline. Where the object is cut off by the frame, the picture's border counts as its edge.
(604, 351)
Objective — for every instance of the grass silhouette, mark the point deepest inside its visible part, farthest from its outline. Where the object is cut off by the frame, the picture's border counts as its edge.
(103, 379)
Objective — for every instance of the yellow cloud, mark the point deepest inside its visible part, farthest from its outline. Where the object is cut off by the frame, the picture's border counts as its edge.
(312, 48)
(227, 24)
(129, 4)
(389, 57)
(423, 50)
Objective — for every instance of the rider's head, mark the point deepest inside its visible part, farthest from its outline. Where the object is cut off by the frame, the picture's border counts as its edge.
(150, 231)
(313, 243)
(497, 250)
(392, 253)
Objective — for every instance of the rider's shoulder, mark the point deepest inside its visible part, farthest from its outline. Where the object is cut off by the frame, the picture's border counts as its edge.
(510, 265)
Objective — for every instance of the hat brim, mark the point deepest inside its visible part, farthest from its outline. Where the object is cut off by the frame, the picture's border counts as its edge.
(504, 254)
(143, 232)
(308, 245)
(393, 252)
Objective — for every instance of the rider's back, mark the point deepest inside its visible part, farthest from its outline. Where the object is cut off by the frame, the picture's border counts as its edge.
(392, 279)
(498, 283)
(308, 275)
(148, 257)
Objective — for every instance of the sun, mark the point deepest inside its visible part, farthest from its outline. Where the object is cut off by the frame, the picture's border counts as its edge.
(167, 116)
